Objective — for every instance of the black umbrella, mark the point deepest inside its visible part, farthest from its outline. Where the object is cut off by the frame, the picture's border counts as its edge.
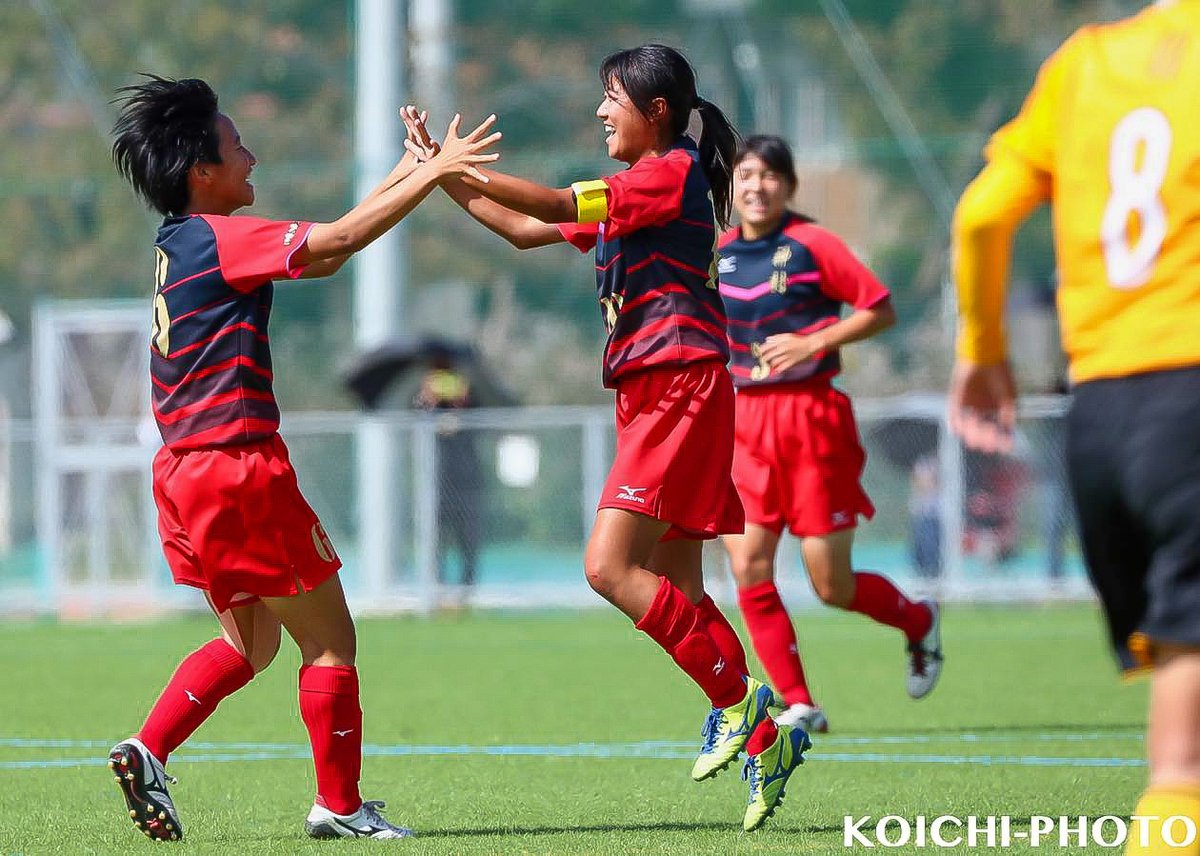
(370, 374)
(905, 439)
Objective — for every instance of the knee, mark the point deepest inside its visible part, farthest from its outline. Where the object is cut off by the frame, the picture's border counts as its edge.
(603, 572)
(751, 570)
(339, 651)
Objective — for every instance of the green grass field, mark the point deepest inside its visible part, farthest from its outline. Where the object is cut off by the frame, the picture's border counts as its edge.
(570, 733)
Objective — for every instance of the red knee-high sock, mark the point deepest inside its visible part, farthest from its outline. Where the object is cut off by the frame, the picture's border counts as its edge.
(730, 646)
(205, 676)
(879, 598)
(675, 623)
(330, 710)
(723, 634)
(774, 640)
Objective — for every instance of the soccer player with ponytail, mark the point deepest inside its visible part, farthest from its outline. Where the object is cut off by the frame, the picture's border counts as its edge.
(653, 230)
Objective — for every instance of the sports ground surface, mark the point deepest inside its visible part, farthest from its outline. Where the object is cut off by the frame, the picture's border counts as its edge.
(571, 733)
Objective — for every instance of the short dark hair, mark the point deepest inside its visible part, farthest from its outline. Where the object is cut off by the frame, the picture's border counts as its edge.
(658, 71)
(772, 151)
(164, 128)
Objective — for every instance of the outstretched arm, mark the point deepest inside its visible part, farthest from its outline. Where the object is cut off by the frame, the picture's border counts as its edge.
(523, 231)
(385, 207)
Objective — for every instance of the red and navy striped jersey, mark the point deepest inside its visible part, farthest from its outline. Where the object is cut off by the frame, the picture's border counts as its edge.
(210, 360)
(793, 280)
(656, 265)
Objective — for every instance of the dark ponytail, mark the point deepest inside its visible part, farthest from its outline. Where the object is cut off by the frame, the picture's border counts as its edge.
(718, 145)
(657, 71)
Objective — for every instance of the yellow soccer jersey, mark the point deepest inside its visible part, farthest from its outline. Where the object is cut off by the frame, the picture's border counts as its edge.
(1113, 128)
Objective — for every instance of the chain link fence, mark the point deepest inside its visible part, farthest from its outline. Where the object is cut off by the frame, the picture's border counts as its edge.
(493, 507)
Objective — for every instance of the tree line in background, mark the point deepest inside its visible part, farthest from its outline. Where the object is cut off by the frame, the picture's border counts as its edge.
(284, 71)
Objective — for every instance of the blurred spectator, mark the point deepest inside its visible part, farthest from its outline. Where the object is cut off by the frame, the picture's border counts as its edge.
(460, 501)
(925, 519)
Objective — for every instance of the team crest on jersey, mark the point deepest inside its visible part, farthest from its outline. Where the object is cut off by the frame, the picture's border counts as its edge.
(782, 256)
(762, 369)
(291, 234)
(779, 282)
(726, 264)
(611, 307)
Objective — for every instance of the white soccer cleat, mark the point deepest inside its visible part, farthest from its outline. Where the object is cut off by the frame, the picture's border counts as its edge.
(367, 822)
(925, 657)
(808, 717)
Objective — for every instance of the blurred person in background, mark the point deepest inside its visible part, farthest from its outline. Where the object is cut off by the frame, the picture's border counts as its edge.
(652, 229)
(797, 456)
(444, 390)
(231, 516)
(1109, 136)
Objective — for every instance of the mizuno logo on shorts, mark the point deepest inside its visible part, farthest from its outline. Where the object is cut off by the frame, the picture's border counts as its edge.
(630, 494)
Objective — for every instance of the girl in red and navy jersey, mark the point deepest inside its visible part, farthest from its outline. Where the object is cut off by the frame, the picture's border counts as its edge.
(797, 458)
(652, 229)
(231, 516)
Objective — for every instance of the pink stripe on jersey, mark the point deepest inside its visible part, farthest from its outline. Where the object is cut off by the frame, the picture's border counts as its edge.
(756, 291)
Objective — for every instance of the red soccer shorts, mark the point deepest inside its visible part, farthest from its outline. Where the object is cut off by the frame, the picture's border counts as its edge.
(675, 450)
(233, 522)
(797, 459)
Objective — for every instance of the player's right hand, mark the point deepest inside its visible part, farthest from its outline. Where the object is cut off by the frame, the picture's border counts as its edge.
(983, 405)
(462, 155)
(417, 140)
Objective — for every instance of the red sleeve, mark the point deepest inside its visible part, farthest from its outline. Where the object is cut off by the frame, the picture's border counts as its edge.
(843, 276)
(582, 236)
(253, 251)
(649, 193)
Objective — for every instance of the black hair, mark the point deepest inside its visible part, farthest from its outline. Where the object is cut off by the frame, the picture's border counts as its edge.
(657, 71)
(775, 153)
(772, 151)
(165, 127)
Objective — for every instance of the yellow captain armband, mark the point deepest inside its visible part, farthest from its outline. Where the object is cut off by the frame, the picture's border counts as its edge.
(591, 201)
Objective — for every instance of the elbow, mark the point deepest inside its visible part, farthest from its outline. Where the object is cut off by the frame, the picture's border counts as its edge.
(522, 241)
(885, 316)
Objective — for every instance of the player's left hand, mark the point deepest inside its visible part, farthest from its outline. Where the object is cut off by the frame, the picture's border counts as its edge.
(784, 350)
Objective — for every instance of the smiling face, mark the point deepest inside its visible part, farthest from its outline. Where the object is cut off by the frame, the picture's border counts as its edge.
(760, 195)
(222, 188)
(629, 134)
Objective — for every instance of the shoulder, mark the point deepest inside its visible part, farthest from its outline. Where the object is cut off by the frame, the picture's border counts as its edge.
(728, 237)
(804, 231)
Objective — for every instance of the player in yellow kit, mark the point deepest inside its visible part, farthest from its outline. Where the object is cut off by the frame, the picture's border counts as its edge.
(1110, 135)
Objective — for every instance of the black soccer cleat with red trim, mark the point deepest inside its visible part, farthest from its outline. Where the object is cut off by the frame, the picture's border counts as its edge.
(143, 783)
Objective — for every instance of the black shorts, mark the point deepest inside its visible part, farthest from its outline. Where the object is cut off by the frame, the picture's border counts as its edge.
(1133, 453)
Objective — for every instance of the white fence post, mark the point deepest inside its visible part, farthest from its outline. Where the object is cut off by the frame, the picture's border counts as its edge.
(426, 498)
